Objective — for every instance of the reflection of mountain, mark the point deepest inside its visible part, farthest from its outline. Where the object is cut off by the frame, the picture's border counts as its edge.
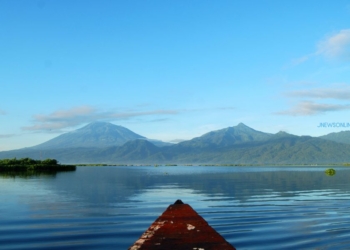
(107, 143)
(119, 184)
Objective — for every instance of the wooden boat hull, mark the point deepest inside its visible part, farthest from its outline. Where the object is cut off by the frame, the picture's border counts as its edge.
(180, 227)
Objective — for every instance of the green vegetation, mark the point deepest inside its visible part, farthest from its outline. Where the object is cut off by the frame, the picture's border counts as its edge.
(330, 172)
(28, 164)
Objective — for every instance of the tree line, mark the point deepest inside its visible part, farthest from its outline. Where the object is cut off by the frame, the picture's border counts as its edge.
(23, 164)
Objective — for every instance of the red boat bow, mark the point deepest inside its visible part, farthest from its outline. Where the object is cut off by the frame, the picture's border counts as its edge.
(180, 227)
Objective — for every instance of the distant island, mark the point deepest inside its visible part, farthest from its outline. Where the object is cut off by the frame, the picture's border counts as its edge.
(28, 164)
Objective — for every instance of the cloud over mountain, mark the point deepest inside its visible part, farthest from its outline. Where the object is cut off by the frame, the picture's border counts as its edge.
(7, 135)
(75, 116)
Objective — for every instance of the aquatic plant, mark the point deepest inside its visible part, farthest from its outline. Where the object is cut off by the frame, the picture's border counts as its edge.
(330, 172)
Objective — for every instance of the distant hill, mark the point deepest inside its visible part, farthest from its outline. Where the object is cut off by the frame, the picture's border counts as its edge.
(108, 143)
(342, 137)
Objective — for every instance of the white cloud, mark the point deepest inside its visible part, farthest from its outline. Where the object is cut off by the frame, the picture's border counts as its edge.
(59, 120)
(336, 46)
(300, 60)
(7, 135)
(307, 108)
(62, 119)
(322, 93)
(226, 108)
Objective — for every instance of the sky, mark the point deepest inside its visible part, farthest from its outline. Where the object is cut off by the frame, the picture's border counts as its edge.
(172, 70)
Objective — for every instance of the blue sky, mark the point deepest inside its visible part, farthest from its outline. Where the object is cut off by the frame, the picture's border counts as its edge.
(172, 70)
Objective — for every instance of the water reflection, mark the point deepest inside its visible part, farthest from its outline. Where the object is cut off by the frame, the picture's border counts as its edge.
(95, 185)
(27, 174)
(109, 207)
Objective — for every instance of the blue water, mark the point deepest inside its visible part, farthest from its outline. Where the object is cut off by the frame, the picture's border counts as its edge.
(110, 207)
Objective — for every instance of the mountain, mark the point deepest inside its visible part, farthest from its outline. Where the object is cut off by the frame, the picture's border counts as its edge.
(108, 143)
(95, 135)
(282, 134)
(283, 150)
(137, 150)
(279, 148)
(226, 137)
(342, 137)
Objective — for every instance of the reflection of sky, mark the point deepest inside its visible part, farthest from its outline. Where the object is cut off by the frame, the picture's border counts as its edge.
(168, 195)
(14, 190)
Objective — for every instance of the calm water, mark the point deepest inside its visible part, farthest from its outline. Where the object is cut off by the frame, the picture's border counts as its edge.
(110, 207)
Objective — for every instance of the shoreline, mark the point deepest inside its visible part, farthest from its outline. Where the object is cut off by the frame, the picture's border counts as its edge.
(210, 165)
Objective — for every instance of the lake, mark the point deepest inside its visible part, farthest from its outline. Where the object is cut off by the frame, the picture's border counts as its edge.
(110, 207)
